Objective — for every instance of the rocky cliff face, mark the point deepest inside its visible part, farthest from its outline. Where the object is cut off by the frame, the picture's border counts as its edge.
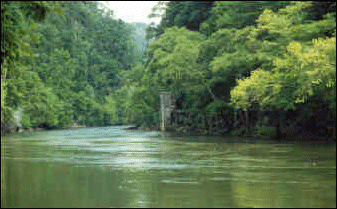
(17, 115)
(15, 125)
(3, 128)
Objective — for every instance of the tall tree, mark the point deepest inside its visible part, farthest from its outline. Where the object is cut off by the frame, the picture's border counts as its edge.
(18, 19)
(189, 14)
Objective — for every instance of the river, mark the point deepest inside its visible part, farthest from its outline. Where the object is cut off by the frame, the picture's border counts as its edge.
(114, 167)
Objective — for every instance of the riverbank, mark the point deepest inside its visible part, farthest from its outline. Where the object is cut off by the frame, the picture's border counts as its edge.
(263, 133)
(15, 129)
(268, 133)
(144, 128)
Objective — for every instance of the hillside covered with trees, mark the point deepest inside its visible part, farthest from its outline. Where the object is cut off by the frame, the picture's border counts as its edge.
(71, 62)
(61, 62)
(273, 59)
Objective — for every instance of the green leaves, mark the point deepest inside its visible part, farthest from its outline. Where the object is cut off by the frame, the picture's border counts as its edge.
(290, 23)
(216, 106)
(75, 54)
(300, 74)
(174, 58)
(255, 54)
(307, 68)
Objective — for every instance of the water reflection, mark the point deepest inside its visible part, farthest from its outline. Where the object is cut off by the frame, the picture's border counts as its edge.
(55, 185)
(112, 167)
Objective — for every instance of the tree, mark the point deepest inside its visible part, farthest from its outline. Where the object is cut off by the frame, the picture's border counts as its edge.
(138, 96)
(18, 19)
(302, 72)
(306, 71)
(188, 14)
(74, 57)
(174, 60)
(237, 14)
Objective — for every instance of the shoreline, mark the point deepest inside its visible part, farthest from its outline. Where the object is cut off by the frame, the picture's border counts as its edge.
(285, 138)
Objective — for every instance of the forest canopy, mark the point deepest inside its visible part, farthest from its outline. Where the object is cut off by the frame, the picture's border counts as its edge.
(67, 62)
(60, 61)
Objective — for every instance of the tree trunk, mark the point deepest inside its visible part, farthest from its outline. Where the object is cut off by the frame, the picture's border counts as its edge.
(247, 121)
(204, 120)
(217, 127)
(279, 125)
(334, 127)
(210, 124)
(259, 123)
(235, 118)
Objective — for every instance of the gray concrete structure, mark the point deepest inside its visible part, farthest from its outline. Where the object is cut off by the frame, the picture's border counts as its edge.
(166, 107)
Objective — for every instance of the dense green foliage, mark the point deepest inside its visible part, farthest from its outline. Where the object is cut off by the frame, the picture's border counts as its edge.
(189, 14)
(61, 64)
(83, 66)
(306, 67)
(255, 55)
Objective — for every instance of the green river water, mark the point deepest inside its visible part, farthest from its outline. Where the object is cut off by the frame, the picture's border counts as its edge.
(114, 167)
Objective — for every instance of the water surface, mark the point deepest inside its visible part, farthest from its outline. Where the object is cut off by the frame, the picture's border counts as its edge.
(113, 167)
